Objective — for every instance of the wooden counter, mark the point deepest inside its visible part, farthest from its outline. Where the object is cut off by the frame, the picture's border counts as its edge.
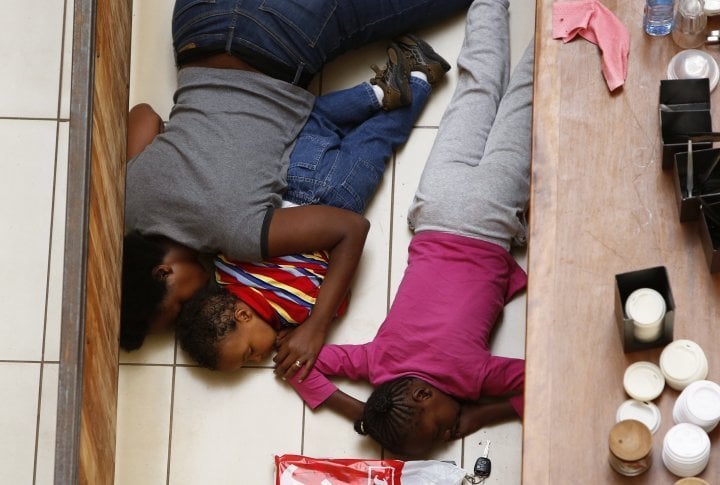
(601, 205)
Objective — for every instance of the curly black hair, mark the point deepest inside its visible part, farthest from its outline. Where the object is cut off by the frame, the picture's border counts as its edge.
(142, 293)
(203, 322)
(390, 414)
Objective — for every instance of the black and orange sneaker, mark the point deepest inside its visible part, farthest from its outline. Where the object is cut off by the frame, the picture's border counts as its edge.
(422, 57)
(394, 79)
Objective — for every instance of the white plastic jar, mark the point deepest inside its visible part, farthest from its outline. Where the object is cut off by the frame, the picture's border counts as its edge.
(646, 308)
(683, 362)
(699, 403)
(686, 450)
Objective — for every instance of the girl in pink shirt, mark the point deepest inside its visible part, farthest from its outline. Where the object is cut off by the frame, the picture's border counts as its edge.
(430, 360)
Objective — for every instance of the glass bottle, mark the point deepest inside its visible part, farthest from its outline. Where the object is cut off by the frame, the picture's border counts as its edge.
(689, 23)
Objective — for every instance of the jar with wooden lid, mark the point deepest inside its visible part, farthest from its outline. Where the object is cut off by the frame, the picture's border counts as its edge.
(630, 445)
(691, 481)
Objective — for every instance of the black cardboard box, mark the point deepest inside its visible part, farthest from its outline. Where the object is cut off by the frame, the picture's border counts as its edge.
(625, 283)
(684, 110)
(709, 228)
(706, 181)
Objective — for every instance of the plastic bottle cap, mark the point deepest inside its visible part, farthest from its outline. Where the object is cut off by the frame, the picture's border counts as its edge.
(694, 64)
(682, 362)
(645, 412)
(643, 381)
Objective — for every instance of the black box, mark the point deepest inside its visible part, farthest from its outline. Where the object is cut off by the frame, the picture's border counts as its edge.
(709, 228)
(684, 110)
(706, 181)
(625, 283)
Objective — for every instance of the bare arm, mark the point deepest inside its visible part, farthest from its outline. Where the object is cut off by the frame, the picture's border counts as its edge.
(310, 228)
(345, 405)
(144, 124)
(477, 415)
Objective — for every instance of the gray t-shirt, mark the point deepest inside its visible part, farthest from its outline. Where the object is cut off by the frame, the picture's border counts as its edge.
(213, 178)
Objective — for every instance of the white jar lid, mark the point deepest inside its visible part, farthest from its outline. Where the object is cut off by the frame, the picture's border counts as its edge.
(712, 7)
(643, 381)
(703, 401)
(694, 64)
(686, 449)
(645, 412)
(645, 306)
(682, 362)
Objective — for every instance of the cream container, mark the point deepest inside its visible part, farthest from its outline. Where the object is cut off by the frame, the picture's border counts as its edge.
(694, 64)
(683, 362)
(646, 308)
(643, 381)
(691, 481)
(630, 444)
(645, 412)
(699, 403)
(686, 450)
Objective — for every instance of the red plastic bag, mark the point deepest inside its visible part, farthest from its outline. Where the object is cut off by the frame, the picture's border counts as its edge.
(303, 470)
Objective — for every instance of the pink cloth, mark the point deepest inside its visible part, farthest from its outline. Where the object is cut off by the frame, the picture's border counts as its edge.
(438, 326)
(594, 22)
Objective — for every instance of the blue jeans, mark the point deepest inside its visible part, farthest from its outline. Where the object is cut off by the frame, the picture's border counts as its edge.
(293, 39)
(340, 154)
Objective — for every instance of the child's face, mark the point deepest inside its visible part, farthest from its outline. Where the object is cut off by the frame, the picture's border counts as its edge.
(438, 423)
(252, 341)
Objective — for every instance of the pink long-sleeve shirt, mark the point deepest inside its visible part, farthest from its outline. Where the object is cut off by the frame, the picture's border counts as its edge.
(437, 329)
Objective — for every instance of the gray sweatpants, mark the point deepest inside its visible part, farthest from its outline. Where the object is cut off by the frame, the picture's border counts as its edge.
(476, 179)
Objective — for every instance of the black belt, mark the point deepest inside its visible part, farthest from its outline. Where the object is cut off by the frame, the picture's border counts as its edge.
(299, 75)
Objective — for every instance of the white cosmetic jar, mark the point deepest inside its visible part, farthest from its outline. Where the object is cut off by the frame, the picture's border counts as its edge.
(646, 308)
(699, 403)
(686, 450)
(683, 362)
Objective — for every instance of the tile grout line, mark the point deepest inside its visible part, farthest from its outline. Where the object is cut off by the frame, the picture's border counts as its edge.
(37, 423)
(172, 408)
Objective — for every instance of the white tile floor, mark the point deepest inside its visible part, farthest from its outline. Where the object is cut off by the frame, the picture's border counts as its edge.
(179, 424)
(34, 111)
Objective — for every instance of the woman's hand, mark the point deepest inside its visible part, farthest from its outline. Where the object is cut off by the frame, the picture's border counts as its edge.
(310, 228)
(299, 346)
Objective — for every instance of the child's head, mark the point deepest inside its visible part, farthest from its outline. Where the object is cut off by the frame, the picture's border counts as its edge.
(221, 332)
(159, 275)
(409, 417)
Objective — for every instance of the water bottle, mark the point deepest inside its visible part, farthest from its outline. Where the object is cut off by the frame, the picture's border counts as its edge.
(689, 23)
(658, 17)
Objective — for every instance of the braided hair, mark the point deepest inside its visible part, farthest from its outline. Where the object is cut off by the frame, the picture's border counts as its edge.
(390, 414)
(204, 320)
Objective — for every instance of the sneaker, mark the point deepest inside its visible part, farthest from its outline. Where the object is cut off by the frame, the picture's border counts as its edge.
(394, 79)
(421, 57)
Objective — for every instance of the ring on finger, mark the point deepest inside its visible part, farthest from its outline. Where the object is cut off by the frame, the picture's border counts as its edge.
(298, 363)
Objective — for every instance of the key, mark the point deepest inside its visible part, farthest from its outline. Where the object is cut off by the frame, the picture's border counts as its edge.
(483, 466)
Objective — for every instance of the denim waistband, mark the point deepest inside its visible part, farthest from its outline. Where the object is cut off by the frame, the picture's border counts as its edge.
(299, 76)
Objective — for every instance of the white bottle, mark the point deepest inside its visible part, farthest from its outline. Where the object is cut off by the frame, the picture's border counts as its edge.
(690, 21)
